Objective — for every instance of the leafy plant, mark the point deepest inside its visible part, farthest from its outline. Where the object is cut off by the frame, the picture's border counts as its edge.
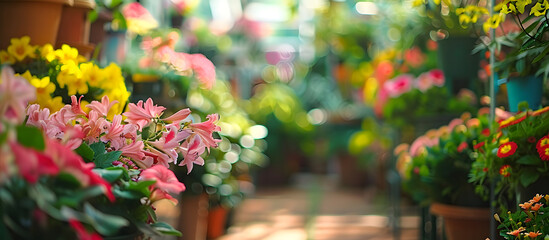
(529, 222)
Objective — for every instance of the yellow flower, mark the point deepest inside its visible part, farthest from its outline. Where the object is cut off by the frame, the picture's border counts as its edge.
(437, 2)
(503, 140)
(521, 4)
(493, 22)
(509, 7)
(92, 74)
(46, 51)
(27, 75)
(5, 57)
(66, 54)
(464, 19)
(417, 3)
(77, 85)
(20, 48)
(68, 73)
(44, 87)
(540, 8)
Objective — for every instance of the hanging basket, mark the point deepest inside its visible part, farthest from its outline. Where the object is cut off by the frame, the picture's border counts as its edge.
(38, 19)
(529, 89)
(457, 62)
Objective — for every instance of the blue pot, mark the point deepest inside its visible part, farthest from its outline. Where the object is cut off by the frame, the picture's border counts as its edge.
(529, 89)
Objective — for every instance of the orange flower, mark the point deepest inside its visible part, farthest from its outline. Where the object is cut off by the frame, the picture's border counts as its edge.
(533, 235)
(536, 206)
(507, 149)
(516, 232)
(540, 111)
(536, 198)
(526, 205)
(505, 170)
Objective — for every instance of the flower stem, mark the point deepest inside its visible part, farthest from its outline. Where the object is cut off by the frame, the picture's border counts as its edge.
(522, 27)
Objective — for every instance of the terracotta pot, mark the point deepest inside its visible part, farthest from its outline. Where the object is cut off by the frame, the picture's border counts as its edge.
(217, 220)
(463, 222)
(193, 217)
(38, 19)
(74, 27)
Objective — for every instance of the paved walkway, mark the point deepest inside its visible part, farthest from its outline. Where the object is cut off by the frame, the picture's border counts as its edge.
(315, 208)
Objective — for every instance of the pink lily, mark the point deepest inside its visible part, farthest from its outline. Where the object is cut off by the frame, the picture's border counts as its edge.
(205, 130)
(15, 93)
(141, 115)
(191, 151)
(102, 107)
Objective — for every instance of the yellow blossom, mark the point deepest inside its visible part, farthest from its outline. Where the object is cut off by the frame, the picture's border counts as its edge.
(66, 54)
(493, 22)
(68, 73)
(92, 74)
(503, 140)
(46, 51)
(416, 3)
(77, 85)
(44, 87)
(27, 75)
(5, 57)
(20, 48)
(540, 8)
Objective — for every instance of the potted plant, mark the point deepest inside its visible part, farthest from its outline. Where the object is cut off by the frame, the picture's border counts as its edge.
(435, 170)
(414, 105)
(94, 172)
(457, 28)
(528, 222)
(514, 157)
(523, 63)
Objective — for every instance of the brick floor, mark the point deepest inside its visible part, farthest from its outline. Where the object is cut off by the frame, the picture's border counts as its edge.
(314, 208)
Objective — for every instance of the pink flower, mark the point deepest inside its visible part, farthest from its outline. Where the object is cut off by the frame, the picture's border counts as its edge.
(424, 82)
(204, 70)
(462, 146)
(165, 179)
(75, 105)
(178, 116)
(437, 77)
(206, 129)
(102, 107)
(455, 122)
(399, 85)
(169, 141)
(15, 93)
(191, 151)
(133, 150)
(141, 115)
(154, 156)
(414, 57)
(81, 231)
(114, 131)
(31, 163)
(36, 117)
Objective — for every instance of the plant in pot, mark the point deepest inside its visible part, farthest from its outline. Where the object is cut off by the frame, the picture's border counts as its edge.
(81, 167)
(529, 222)
(456, 25)
(435, 170)
(414, 105)
(514, 157)
(523, 63)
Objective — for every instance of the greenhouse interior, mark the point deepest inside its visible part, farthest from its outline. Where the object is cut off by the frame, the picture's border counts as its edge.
(274, 119)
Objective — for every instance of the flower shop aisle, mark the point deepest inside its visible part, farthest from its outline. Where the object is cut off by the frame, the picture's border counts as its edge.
(316, 208)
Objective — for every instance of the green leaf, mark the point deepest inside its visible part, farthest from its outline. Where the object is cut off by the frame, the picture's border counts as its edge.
(142, 187)
(111, 175)
(85, 152)
(30, 137)
(528, 177)
(76, 198)
(529, 160)
(104, 223)
(165, 229)
(98, 148)
(119, 193)
(93, 15)
(541, 55)
(105, 160)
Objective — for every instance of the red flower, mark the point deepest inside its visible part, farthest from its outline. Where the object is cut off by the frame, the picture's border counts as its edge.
(486, 132)
(506, 149)
(543, 142)
(505, 170)
(81, 231)
(462, 146)
(512, 120)
(479, 145)
(544, 153)
(532, 139)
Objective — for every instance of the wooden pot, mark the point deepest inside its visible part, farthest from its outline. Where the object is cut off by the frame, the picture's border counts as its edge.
(463, 222)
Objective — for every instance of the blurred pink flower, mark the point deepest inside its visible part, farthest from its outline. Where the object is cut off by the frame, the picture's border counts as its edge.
(399, 85)
(424, 82)
(15, 93)
(414, 57)
(204, 70)
(102, 107)
(165, 179)
(437, 77)
(31, 163)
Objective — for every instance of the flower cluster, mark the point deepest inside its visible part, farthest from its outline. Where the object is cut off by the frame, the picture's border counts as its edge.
(515, 154)
(530, 222)
(58, 74)
(99, 174)
(404, 98)
(435, 167)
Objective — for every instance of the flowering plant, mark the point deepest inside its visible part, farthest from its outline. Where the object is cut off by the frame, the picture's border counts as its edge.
(57, 74)
(514, 155)
(405, 99)
(530, 222)
(435, 167)
(102, 175)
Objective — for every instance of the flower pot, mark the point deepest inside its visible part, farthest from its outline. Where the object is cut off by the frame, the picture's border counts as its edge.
(74, 27)
(529, 89)
(38, 19)
(457, 62)
(217, 221)
(463, 222)
(193, 216)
